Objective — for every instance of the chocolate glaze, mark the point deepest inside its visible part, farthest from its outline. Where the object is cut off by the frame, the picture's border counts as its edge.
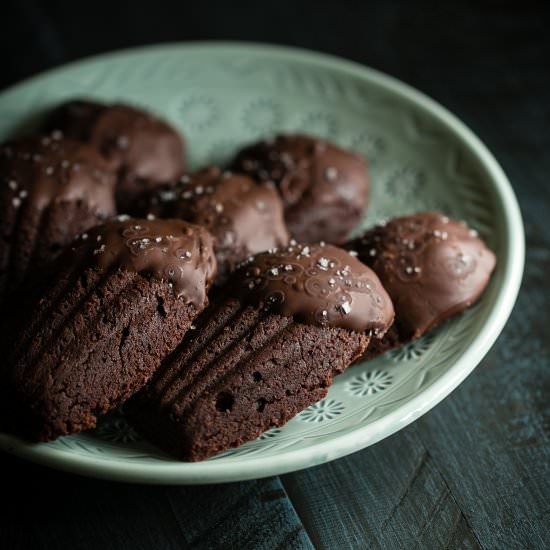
(431, 266)
(315, 178)
(144, 149)
(170, 250)
(318, 284)
(244, 217)
(39, 171)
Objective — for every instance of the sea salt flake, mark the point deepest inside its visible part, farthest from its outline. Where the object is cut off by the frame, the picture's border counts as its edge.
(323, 263)
(331, 173)
(345, 307)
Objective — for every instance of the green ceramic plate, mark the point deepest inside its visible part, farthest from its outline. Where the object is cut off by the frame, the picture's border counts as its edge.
(224, 95)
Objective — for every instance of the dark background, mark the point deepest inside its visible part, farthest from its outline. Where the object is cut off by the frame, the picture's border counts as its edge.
(474, 472)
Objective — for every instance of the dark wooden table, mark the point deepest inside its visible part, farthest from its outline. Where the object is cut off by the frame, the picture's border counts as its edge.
(475, 471)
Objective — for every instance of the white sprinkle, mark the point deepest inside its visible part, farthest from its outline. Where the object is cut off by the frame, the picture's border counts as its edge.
(99, 250)
(445, 219)
(322, 243)
(437, 233)
(219, 207)
(288, 267)
(98, 238)
(22, 194)
(199, 189)
(158, 239)
(185, 179)
(192, 327)
(49, 170)
(473, 233)
(186, 195)
(57, 135)
(274, 271)
(332, 281)
(84, 236)
(305, 251)
(372, 252)
(417, 269)
(444, 235)
(409, 269)
(353, 253)
(65, 164)
(16, 201)
(260, 205)
(12, 184)
(292, 242)
(137, 227)
(123, 217)
(150, 217)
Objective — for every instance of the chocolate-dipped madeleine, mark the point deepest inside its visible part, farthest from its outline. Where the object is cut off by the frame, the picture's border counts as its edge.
(432, 267)
(285, 324)
(144, 149)
(324, 188)
(51, 189)
(245, 218)
(126, 294)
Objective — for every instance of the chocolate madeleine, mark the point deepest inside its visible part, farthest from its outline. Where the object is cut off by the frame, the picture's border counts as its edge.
(287, 323)
(126, 295)
(324, 188)
(144, 149)
(245, 218)
(432, 267)
(51, 189)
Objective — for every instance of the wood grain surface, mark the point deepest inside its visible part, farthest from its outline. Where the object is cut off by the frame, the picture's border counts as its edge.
(472, 473)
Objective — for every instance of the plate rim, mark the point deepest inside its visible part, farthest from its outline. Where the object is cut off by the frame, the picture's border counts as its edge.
(118, 469)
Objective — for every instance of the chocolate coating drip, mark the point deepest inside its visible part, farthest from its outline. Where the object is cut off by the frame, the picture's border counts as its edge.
(324, 188)
(318, 284)
(170, 250)
(431, 266)
(144, 149)
(244, 217)
(39, 171)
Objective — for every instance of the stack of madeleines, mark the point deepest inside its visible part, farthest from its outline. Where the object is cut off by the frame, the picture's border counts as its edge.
(214, 305)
